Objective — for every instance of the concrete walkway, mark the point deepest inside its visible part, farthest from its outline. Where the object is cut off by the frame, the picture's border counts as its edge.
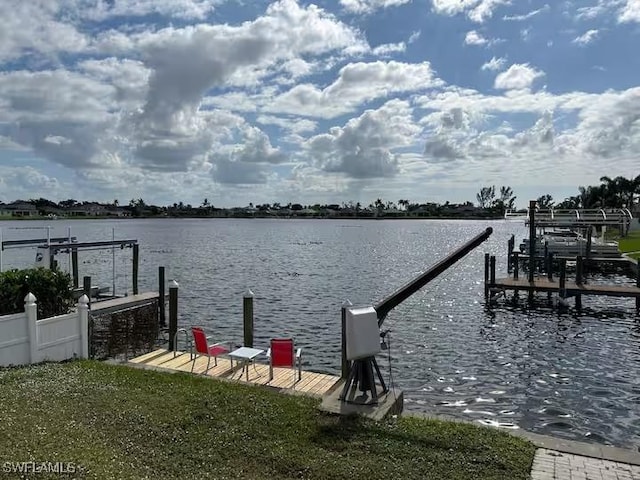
(561, 459)
(552, 464)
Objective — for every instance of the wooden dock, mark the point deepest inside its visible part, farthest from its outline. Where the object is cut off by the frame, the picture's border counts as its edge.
(312, 384)
(570, 289)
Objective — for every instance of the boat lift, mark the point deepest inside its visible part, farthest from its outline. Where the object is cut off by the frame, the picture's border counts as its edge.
(362, 333)
(51, 246)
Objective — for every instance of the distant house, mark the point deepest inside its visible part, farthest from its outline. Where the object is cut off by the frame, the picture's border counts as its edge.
(91, 209)
(21, 209)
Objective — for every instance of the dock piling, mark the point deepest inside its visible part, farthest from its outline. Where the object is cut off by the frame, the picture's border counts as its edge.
(516, 265)
(510, 247)
(486, 276)
(74, 267)
(173, 314)
(247, 318)
(532, 238)
(579, 274)
(492, 273)
(136, 256)
(563, 279)
(161, 298)
(86, 287)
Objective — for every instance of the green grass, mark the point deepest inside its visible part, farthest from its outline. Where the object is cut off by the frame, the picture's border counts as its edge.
(630, 243)
(120, 422)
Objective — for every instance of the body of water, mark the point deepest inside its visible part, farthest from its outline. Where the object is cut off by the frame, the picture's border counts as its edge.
(515, 366)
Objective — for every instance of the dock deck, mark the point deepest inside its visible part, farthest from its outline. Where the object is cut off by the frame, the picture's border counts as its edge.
(545, 285)
(312, 384)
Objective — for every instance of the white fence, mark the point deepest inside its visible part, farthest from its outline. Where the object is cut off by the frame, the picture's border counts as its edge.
(24, 339)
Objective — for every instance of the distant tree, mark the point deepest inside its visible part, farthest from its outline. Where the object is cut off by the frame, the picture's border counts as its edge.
(67, 203)
(115, 202)
(545, 201)
(507, 197)
(486, 196)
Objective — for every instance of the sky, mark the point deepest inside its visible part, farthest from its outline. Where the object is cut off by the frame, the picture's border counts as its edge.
(251, 101)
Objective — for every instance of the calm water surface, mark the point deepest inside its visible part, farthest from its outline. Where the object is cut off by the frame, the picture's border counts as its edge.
(564, 374)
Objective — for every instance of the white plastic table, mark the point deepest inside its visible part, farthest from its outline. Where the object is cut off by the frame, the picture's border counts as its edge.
(246, 356)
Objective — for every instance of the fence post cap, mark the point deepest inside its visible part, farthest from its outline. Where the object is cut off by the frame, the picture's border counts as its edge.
(347, 303)
(30, 298)
(173, 284)
(83, 300)
(248, 293)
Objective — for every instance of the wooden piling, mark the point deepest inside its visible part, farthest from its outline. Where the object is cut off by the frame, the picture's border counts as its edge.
(532, 238)
(563, 279)
(161, 298)
(247, 318)
(74, 267)
(550, 266)
(492, 273)
(516, 265)
(546, 254)
(486, 276)
(173, 314)
(136, 257)
(510, 247)
(579, 272)
(86, 287)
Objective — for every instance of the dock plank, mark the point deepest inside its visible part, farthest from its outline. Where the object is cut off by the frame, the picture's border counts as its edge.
(544, 285)
(312, 383)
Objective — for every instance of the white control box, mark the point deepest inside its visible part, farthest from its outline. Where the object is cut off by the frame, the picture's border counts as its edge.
(363, 335)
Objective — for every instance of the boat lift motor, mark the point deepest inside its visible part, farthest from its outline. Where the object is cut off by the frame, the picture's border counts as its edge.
(363, 329)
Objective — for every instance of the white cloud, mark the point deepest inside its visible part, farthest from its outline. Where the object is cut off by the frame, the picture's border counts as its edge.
(517, 76)
(494, 64)
(387, 49)
(294, 125)
(357, 83)
(474, 38)
(368, 6)
(630, 12)
(414, 36)
(477, 10)
(526, 16)
(586, 38)
(182, 9)
(33, 28)
(363, 148)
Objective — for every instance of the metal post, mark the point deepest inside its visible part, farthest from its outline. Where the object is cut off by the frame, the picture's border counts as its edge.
(247, 317)
(486, 276)
(136, 257)
(510, 246)
(345, 367)
(1, 249)
(516, 264)
(161, 297)
(173, 313)
(532, 238)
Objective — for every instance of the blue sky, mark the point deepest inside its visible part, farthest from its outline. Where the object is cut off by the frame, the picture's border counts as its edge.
(291, 101)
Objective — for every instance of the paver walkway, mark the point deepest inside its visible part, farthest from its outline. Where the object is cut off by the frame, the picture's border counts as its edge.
(552, 465)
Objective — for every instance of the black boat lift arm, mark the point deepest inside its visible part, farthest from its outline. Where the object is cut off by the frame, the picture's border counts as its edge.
(383, 307)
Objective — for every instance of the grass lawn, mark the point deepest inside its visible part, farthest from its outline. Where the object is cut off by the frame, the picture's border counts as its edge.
(630, 243)
(124, 423)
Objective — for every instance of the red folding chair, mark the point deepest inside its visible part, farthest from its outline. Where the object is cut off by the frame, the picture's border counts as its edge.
(201, 342)
(282, 353)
